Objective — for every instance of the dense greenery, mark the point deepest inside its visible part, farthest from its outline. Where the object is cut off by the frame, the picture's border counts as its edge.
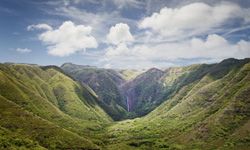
(196, 107)
(48, 107)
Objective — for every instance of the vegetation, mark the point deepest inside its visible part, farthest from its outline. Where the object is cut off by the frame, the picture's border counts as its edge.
(48, 107)
(211, 113)
(203, 107)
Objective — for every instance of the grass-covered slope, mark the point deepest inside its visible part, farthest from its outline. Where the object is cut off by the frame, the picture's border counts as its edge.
(48, 108)
(149, 89)
(200, 107)
(211, 112)
(105, 82)
(31, 131)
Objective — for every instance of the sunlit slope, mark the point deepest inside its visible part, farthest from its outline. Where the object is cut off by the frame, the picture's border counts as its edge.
(51, 101)
(33, 131)
(209, 113)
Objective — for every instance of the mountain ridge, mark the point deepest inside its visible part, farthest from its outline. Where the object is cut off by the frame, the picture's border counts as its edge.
(203, 106)
(147, 90)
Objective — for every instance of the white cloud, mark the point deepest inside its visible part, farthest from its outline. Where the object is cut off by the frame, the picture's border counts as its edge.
(191, 19)
(214, 47)
(161, 38)
(120, 49)
(23, 50)
(119, 34)
(99, 20)
(39, 26)
(68, 39)
(120, 37)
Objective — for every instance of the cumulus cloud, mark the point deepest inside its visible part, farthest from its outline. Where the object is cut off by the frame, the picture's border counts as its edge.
(214, 47)
(192, 19)
(99, 20)
(23, 50)
(120, 49)
(68, 39)
(119, 37)
(119, 34)
(194, 32)
(39, 26)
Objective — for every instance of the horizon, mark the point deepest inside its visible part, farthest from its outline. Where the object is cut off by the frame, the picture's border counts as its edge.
(121, 34)
(140, 69)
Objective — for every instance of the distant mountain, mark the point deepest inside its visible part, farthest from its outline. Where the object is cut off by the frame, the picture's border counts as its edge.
(130, 74)
(141, 91)
(151, 88)
(130, 97)
(105, 82)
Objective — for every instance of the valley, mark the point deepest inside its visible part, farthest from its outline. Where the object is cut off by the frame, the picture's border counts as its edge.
(201, 106)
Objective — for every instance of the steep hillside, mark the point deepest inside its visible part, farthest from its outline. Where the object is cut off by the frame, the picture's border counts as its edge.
(42, 107)
(151, 88)
(105, 82)
(196, 107)
(122, 98)
(141, 91)
(209, 112)
(148, 90)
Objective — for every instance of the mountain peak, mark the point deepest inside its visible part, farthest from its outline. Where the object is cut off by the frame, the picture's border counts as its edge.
(71, 64)
(229, 61)
(154, 70)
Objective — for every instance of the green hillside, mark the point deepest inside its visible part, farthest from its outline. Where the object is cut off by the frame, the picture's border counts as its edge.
(151, 88)
(47, 107)
(209, 113)
(196, 107)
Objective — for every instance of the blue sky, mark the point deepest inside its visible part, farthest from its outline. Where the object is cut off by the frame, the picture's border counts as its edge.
(124, 33)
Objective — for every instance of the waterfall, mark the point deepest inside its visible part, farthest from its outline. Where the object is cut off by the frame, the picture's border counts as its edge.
(128, 105)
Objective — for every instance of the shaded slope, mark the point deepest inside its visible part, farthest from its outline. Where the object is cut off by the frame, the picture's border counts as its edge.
(141, 91)
(105, 82)
(150, 89)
